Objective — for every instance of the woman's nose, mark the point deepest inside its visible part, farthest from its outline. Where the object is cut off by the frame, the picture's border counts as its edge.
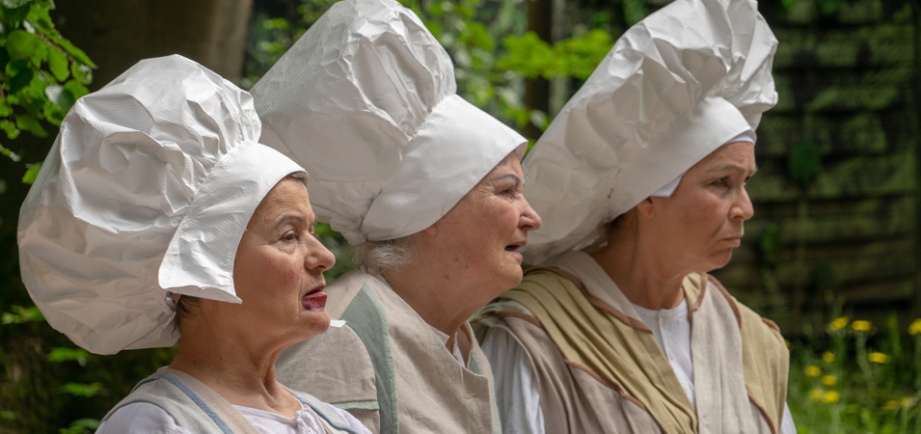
(743, 209)
(530, 220)
(318, 256)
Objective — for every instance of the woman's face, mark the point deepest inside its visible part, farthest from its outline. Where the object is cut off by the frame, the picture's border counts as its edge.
(702, 222)
(483, 234)
(278, 270)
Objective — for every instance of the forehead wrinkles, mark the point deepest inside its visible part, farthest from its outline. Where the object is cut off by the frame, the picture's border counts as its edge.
(733, 155)
(284, 199)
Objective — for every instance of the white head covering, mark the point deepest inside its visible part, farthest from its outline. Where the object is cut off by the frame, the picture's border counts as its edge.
(675, 87)
(366, 101)
(147, 189)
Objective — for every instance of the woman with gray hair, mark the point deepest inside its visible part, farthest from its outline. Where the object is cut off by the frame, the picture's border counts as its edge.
(158, 217)
(428, 189)
(641, 182)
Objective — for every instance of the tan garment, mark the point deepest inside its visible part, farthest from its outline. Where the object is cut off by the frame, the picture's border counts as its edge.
(388, 368)
(599, 368)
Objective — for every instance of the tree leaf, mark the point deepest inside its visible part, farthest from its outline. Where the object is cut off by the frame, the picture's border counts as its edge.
(9, 127)
(31, 124)
(82, 73)
(58, 64)
(21, 80)
(31, 173)
(12, 4)
(67, 354)
(76, 89)
(21, 44)
(79, 389)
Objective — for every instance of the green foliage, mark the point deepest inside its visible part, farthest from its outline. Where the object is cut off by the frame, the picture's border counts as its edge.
(21, 315)
(489, 73)
(80, 426)
(804, 161)
(855, 378)
(64, 354)
(41, 73)
(575, 57)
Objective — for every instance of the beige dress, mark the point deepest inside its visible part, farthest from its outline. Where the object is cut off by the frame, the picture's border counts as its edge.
(599, 369)
(388, 368)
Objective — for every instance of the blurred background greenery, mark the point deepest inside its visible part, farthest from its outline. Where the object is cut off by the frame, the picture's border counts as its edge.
(833, 253)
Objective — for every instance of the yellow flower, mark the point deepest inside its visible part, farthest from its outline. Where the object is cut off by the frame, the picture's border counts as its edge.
(908, 402)
(831, 397)
(877, 357)
(861, 325)
(829, 380)
(892, 405)
(816, 393)
(813, 371)
(838, 324)
(915, 327)
(828, 357)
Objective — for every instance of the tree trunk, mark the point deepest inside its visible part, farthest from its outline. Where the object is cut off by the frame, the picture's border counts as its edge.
(116, 34)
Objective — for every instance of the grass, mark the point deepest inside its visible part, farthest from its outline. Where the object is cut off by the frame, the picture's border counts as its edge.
(856, 377)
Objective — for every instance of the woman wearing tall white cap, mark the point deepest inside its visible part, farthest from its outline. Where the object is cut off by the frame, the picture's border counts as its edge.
(158, 217)
(640, 181)
(428, 188)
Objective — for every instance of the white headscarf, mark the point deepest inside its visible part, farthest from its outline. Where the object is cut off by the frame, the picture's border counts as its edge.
(148, 188)
(366, 101)
(676, 86)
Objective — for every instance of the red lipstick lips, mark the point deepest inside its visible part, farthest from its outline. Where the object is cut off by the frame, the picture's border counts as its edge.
(315, 301)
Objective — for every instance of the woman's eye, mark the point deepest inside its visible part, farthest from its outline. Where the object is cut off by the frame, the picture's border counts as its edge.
(289, 236)
(722, 182)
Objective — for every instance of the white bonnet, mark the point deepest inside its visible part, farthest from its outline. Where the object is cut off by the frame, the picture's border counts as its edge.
(366, 101)
(674, 88)
(148, 188)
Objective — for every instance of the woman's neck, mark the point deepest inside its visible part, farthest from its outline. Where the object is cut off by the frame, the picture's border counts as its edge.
(428, 296)
(643, 275)
(242, 375)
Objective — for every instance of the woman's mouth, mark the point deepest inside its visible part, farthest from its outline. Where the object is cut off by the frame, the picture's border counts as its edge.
(315, 300)
(515, 247)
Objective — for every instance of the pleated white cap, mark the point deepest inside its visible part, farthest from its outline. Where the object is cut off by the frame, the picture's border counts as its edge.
(366, 101)
(148, 188)
(674, 88)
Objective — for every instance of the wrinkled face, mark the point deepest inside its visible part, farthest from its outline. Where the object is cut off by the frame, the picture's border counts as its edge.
(486, 230)
(702, 222)
(278, 270)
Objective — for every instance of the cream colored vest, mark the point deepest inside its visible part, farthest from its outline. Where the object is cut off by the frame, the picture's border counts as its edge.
(388, 368)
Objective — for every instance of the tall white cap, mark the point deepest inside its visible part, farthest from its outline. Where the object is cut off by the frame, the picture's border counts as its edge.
(148, 188)
(674, 88)
(366, 101)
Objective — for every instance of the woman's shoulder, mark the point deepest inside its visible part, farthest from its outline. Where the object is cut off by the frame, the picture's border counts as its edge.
(140, 417)
(750, 321)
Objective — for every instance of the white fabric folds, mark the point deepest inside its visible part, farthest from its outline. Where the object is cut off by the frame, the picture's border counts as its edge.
(148, 188)
(366, 101)
(675, 87)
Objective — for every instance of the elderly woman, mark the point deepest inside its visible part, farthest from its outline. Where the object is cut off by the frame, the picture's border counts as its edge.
(429, 190)
(157, 216)
(641, 183)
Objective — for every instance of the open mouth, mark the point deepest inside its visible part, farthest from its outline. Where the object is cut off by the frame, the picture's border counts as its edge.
(515, 247)
(315, 300)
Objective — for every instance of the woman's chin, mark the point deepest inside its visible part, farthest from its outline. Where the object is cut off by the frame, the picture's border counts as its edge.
(315, 324)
